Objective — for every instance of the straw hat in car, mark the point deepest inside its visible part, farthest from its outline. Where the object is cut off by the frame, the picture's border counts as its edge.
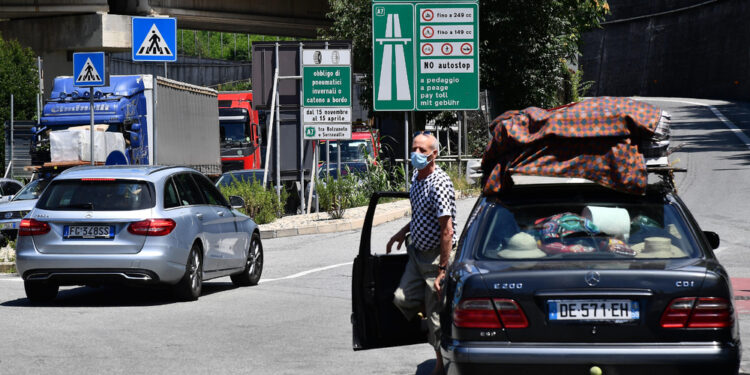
(657, 247)
(521, 245)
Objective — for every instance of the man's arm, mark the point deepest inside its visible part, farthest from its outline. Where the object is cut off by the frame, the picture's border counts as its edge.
(399, 237)
(446, 244)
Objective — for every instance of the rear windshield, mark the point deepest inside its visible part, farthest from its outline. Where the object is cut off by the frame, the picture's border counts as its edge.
(97, 195)
(638, 230)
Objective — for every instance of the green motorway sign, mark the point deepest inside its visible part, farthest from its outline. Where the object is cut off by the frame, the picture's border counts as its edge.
(393, 56)
(425, 55)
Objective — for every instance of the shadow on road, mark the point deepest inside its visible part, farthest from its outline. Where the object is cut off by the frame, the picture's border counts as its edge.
(116, 296)
(425, 368)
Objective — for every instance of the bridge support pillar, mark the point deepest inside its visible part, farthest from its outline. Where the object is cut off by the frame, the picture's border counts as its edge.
(56, 38)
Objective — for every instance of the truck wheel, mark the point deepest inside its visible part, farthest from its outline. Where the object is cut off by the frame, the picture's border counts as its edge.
(40, 291)
(189, 288)
(253, 266)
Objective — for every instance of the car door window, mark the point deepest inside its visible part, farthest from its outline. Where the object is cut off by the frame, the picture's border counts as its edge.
(209, 191)
(170, 195)
(188, 190)
(10, 188)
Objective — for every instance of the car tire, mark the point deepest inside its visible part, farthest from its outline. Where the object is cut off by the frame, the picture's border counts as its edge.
(40, 291)
(253, 265)
(189, 288)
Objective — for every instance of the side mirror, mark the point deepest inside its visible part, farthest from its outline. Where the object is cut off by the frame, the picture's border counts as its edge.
(236, 202)
(713, 239)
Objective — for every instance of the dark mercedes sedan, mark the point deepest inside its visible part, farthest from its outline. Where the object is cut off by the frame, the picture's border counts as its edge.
(567, 278)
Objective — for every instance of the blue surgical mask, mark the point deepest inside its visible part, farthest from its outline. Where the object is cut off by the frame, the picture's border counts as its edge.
(419, 160)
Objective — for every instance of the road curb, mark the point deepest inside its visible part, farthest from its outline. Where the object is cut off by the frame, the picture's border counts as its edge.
(340, 225)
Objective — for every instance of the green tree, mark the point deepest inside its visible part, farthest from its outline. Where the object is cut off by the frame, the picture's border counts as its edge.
(524, 47)
(18, 76)
(352, 20)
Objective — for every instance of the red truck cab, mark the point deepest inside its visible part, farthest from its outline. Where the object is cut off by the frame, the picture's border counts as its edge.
(361, 149)
(239, 132)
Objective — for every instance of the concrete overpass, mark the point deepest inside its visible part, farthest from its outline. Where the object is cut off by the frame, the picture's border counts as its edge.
(55, 29)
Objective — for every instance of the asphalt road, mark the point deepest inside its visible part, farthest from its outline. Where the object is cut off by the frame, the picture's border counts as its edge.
(297, 320)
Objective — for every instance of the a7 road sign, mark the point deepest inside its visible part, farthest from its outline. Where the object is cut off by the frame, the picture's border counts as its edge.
(425, 55)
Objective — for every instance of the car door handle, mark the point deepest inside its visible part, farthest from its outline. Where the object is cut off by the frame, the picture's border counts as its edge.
(199, 216)
(220, 213)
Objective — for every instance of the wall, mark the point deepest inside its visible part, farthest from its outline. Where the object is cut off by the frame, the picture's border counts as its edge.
(193, 70)
(679, 48)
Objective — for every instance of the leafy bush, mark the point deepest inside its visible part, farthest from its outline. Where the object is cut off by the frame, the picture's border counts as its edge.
(459, 179)
(355, 189)
(260, 203)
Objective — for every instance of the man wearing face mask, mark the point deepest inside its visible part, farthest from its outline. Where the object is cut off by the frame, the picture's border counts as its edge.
(430, 239)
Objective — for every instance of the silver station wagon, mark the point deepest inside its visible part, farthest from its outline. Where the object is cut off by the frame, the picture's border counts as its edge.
(135, 225)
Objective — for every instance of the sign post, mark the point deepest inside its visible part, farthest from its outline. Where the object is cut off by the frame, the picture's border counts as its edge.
(425, 55)
(447, 56)
(327, 93)
(154, 39)
(89, 71)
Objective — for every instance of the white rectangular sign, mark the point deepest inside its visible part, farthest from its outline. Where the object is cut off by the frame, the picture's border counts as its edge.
(327, 115)
(447, 15)
(326, 57)
(446, 66)
(440, 32)
(329, 131)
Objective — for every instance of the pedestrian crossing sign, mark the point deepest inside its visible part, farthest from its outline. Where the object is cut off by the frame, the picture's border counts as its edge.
(89, 69)
(154, 39)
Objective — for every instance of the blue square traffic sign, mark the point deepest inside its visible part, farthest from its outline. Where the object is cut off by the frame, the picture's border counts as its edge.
(89, 69)
(154, 39)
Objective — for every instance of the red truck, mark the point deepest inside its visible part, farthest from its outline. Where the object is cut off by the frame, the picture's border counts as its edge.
(356, 152)
(239, 131)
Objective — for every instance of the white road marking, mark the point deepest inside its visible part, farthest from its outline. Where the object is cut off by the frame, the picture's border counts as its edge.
(729, 124)
(303, 273)
(294, 276)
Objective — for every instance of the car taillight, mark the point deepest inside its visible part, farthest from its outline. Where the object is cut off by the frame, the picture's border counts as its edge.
(698, 312)
(476, 313)
(152, 227)
(510, 313)
(31, 227)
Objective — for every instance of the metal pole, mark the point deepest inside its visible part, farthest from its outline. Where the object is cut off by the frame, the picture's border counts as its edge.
(301, 141)
(91, 130)
(278, 148)
(406, 150)
(460, 141)
(328, 147)
(165, 70)
(278, 134)
(466, 138)
(338, 159)
(313, 176)
(270, 127)
(12, 125)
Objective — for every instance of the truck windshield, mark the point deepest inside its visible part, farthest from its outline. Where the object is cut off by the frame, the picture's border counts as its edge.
(234, 131)
(352, 150)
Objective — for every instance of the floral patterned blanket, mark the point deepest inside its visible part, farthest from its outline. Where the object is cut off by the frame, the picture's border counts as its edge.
(596, 139)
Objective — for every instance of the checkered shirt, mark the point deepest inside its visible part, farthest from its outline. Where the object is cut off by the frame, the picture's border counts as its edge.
(431, 198)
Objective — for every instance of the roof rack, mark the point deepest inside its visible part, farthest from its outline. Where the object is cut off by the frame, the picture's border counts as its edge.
(666, 173)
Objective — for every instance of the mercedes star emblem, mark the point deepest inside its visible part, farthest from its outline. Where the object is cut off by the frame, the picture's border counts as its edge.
(592, 278)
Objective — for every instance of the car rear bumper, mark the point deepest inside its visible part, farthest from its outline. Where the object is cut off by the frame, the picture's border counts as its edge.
(147, 266)
(484, 355)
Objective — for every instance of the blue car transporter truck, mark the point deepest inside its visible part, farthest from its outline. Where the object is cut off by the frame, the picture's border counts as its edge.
(162, 121)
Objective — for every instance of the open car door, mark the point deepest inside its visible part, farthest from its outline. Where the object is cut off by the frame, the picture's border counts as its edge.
(376, 322)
